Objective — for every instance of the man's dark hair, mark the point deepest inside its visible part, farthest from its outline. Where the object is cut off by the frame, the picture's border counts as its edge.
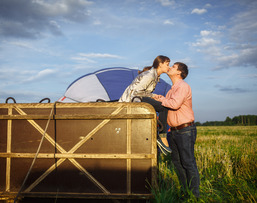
(183, 69)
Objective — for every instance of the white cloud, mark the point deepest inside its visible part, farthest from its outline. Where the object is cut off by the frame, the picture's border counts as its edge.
(232, 46)
(63, 7)
(55, 27)
(97, 22)
(41, 74)
(225, 55)
(168, 22)
(208, 6)
(199, 11)
(32, 18)
(13, 75)
(205, 42)
(205, 33)
(99, 55)
(252, 76)
(245, 26)
(209, 44)
(243, 36)
(24, 45)
(230, 60)
(84, 57)
(167, 2)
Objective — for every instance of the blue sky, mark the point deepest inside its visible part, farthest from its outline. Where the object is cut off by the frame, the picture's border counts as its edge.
(46, 45)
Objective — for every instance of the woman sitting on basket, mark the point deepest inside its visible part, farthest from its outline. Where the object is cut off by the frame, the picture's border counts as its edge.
(143, 86)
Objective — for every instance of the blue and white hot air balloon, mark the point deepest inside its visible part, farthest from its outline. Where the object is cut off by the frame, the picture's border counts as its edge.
(106, 84)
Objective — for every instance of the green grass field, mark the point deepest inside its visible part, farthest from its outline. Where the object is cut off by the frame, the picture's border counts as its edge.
(227, 162)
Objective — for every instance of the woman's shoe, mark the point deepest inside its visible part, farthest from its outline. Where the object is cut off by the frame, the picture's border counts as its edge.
(163, 147)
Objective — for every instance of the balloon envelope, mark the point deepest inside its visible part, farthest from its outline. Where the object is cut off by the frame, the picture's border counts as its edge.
(106, 84)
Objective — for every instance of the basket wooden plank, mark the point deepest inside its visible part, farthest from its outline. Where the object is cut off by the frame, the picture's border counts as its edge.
(106, 148)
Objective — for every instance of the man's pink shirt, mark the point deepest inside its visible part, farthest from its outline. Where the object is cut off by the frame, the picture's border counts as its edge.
(179, 100)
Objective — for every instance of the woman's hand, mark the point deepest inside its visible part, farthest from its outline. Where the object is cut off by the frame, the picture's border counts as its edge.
(157, 97)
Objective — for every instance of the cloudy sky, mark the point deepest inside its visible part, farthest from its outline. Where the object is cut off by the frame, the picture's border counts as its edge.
(47, 44)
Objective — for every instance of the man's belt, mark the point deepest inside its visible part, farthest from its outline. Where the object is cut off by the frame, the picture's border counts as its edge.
(182, 126)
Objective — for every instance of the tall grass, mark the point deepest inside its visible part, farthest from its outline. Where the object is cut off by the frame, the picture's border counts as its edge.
(227, 162)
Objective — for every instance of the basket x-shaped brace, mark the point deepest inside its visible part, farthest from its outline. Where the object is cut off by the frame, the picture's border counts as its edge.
(72, 150)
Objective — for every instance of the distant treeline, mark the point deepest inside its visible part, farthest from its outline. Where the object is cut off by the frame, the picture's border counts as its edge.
(237, 120)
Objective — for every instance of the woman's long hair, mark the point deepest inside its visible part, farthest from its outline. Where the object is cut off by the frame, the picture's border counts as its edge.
(159, 59)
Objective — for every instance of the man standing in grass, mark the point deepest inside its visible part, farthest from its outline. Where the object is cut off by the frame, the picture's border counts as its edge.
(183, 130)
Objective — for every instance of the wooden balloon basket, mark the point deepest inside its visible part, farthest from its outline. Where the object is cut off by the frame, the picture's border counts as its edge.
(74, 151)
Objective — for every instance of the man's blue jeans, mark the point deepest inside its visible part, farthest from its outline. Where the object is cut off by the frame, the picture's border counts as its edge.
(182, 144)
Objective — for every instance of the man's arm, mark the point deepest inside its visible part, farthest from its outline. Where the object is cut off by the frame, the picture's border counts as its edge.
(175, 99)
